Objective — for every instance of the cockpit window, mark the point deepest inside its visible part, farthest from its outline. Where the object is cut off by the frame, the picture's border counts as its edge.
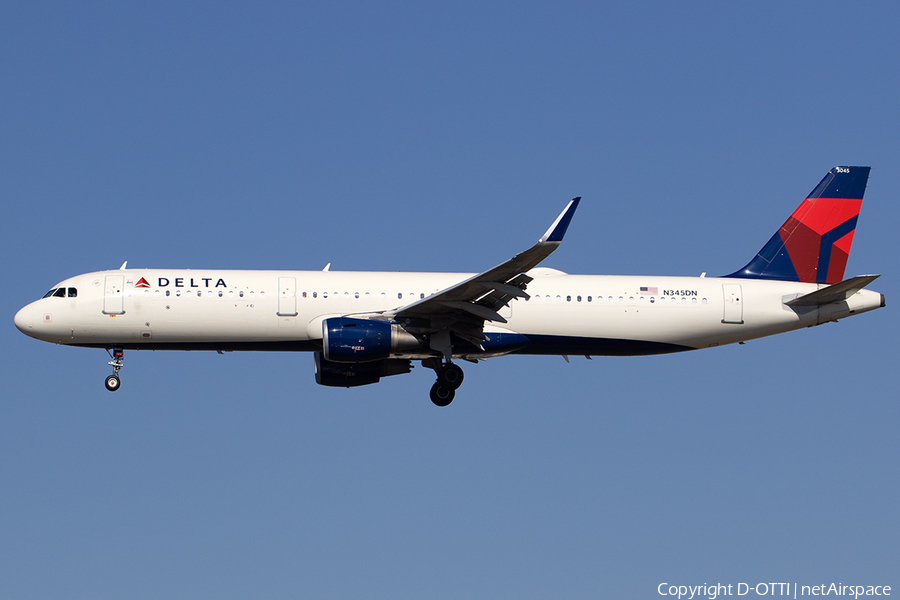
(61, 293)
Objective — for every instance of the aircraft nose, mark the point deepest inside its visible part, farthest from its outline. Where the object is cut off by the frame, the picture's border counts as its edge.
(25, 320)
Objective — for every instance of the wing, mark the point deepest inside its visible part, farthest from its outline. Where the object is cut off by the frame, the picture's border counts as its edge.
(456, 315)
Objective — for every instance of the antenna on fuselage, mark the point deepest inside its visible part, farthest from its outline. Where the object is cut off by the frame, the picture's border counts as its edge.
(124, 264)
(328, 266)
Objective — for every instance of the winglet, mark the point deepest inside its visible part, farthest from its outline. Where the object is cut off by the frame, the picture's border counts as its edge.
(558, 229)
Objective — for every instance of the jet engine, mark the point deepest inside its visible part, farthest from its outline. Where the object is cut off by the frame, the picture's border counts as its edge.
(348, 340)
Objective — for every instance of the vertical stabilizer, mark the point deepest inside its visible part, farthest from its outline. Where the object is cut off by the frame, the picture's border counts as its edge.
(814, 243)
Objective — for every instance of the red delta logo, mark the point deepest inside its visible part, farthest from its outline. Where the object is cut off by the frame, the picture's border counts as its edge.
(142, 283)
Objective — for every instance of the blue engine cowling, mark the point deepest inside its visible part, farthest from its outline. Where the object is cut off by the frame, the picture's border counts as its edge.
(348, 340)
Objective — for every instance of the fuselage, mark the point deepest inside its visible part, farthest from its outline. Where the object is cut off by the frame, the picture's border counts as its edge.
(227, 310)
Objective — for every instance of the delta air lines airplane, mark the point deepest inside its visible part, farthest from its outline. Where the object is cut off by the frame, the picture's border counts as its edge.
(362, 326)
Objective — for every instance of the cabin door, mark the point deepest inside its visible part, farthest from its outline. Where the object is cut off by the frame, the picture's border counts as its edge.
(114, 295)
(734, 309)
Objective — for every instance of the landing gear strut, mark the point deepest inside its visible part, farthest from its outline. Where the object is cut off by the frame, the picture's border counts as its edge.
(117, 355)
(449, 378)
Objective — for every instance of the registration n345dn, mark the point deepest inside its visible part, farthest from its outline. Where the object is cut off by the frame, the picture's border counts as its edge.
(362, 326)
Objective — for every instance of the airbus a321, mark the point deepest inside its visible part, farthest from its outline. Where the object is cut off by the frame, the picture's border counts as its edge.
(362, 326)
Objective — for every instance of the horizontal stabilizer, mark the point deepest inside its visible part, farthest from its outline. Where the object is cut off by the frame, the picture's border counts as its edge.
(834, 293)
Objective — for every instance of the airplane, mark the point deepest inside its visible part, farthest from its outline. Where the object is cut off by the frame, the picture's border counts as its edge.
(363, 326)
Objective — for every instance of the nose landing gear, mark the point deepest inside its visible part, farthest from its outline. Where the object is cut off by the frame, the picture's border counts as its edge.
(117, 355)
(449, 378)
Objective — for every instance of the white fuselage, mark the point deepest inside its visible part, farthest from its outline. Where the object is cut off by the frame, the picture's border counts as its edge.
(284, 310)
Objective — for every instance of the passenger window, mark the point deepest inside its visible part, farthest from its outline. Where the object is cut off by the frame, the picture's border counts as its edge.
(356, 295)
(220, 293)
(704, 301)
(303, 295)
(315, 294)
(589, 298)
(73, 293)
(578, 298)
(241, 294)
(178, 293)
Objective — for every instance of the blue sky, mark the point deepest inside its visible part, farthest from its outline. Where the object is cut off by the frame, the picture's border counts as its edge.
(443, 137)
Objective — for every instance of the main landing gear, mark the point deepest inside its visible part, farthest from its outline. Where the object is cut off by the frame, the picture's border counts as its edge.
(449, 378)
(117, 355)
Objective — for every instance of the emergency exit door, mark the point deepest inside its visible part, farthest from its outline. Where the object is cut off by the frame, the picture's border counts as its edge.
(287, 296)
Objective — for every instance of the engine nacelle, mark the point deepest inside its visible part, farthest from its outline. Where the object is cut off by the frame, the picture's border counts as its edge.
(348, 340)
(351, 375)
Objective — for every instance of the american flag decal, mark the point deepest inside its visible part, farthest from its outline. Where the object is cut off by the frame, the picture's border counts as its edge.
(649, 291)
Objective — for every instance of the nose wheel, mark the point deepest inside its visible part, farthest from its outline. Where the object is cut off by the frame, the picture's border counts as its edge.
(449, 378)
(112, 383)
(118, 361)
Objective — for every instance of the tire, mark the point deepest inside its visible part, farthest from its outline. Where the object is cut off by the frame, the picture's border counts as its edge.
(451, 376)
(441, 396)
(113, 383)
